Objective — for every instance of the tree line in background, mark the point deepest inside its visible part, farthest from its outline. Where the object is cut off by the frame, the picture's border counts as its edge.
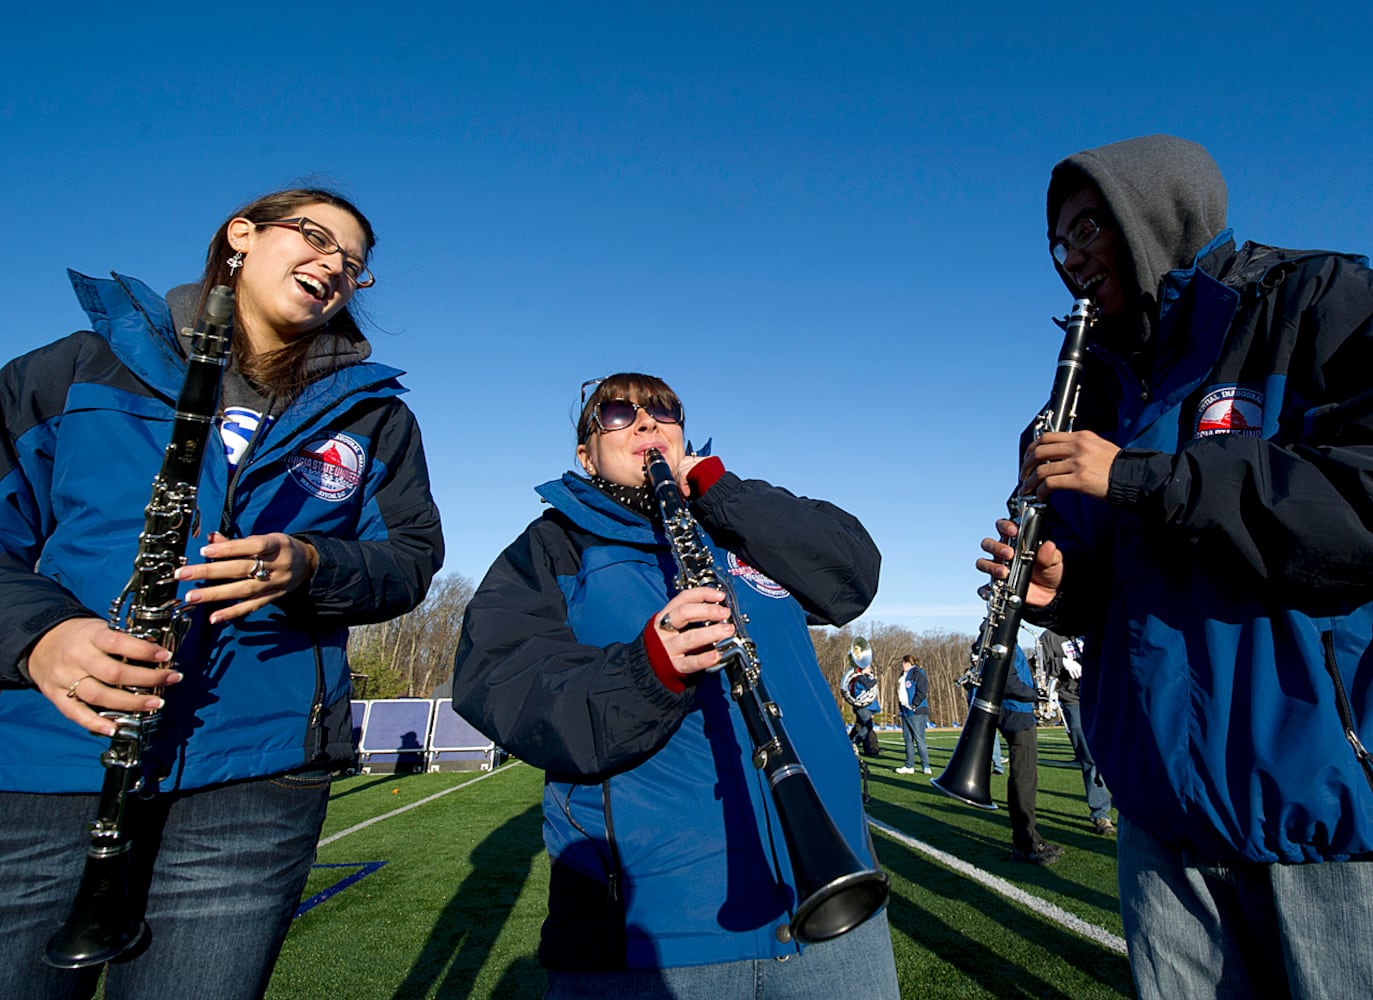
(412, 656)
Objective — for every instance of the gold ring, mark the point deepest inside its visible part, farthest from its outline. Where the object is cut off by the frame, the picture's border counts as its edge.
(259, 572)
(71, 691)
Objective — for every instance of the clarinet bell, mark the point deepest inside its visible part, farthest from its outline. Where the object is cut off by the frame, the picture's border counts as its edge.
(102, 925)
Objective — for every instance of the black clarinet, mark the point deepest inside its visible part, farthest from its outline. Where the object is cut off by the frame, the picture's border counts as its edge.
(836, 892)
(104, 923)
(968, 777)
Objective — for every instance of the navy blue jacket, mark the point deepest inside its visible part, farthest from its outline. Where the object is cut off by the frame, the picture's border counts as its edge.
(917, 685)
(1224, 586)
(663, 837)
(86, 420)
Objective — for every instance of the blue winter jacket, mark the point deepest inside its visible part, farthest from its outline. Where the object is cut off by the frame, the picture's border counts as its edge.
(1225, 584)
(663, 835)
(917, 686)
(86, 420)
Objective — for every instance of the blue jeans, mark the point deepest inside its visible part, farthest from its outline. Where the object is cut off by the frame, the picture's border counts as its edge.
(913, 730)
(823, 971)
(1198, 930)
(221, 870)
(1098, 798)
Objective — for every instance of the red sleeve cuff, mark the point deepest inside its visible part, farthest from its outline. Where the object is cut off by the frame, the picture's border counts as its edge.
(661, 663)
(704, 474)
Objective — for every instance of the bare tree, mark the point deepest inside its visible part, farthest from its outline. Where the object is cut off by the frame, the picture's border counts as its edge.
(411, 655)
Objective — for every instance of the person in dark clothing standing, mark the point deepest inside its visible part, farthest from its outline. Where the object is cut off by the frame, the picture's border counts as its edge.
(1017, 724)
(914, 694)
(1062, 659)
(1208, 535)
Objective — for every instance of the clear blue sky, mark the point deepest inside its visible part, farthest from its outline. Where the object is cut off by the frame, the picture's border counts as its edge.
(823, 224)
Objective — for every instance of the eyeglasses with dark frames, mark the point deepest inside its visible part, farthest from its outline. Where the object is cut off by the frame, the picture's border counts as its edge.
(322, 240)
(1079, 237)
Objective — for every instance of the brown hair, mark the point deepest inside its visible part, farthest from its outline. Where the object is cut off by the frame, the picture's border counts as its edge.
(634, 386)
(281, 372)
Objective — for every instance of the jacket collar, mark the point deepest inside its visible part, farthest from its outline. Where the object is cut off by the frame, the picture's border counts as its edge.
(593, 511)
(137, 324)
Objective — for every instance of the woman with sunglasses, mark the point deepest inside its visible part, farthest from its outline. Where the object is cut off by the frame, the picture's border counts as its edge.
(315, 515)
(578, 656)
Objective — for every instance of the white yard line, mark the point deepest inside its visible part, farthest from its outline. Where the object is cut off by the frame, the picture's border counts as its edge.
(413, 805)
(1043, 907)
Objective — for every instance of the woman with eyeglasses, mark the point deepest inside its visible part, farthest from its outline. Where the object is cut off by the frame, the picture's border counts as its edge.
(315, 514)
(578, 656)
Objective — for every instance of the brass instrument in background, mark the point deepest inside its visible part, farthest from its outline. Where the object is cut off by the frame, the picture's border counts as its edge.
(836, 892)
(860, 658)
(968, 776)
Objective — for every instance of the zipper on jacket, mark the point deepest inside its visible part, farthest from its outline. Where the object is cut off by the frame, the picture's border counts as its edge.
(317, 708)
(1342, 706)
(613, 880)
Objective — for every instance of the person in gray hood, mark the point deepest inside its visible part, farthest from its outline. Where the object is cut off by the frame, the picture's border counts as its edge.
(1208, 535)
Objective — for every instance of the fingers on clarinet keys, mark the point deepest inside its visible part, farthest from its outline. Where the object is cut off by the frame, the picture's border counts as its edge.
(71, 691)
(259, 572)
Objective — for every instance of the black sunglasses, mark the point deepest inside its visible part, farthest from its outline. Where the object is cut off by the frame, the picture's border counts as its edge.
(617, 414)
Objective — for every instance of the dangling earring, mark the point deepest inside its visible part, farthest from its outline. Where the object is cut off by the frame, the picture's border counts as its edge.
(235, 262)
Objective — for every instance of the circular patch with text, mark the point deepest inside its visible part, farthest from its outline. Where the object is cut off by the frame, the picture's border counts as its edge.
(329, 468)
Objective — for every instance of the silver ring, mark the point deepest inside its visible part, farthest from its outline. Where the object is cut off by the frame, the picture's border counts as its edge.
(259, 572)
(665, 623)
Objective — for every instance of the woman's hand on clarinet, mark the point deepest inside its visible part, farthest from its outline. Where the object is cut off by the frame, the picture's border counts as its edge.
(250, 572)
(79, 665)
(1046, 576)
(692, 648)
(1068, 460)
(683, 467)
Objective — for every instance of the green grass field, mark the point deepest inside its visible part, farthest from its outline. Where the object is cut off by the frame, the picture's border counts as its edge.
(449, 876)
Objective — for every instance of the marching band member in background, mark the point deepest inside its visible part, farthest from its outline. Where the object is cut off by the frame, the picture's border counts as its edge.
(1017, 723)
(914, 694)
(1062, 659)
(319, 502)
(858, 687)
(577, 657)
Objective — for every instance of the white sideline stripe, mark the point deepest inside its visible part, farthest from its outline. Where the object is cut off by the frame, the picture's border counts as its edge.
(413, 805)
(1043, 907)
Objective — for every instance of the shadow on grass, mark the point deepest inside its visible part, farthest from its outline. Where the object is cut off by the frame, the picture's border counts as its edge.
(1009, 953)
(466, 932)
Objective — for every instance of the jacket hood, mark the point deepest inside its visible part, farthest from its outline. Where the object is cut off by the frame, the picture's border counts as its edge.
(1167, 197)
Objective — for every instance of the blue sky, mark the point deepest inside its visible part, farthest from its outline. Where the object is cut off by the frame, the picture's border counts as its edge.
(823, 224)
